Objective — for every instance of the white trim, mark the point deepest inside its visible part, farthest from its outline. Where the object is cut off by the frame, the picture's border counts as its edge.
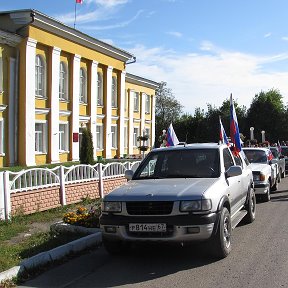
(64, 113)
(122, 112)
(100, 116)
(42, 111)
(29, 119)
(153, 99)
(130, 124)
(83, 118)
(2, 133)
(108, 112)
(114, 118)
(75, 106)
(142, 112)
(3, 107)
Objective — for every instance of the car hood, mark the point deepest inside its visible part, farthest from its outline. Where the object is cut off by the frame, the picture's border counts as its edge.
(258, 166)
(162, 189)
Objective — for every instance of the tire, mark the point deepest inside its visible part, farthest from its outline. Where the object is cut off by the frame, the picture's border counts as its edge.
(275, 186)
(250, 207)
(283, 175)
(221, 242)
(115, 247)
(279, 176)
(266, 197)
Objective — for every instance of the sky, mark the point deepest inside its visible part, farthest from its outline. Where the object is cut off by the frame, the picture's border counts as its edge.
(203, 49)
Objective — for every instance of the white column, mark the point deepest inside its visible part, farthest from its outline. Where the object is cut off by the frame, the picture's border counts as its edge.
(108, 112)
(122, 115)
(75, 106)
(131, 124)
(13, 123)
(30, 102)
(153, 120)
(142, 111)
(54, 117)
(93, 104)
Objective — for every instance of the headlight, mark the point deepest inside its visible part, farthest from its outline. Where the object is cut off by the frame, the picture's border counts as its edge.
(195, 205)
(111, 206)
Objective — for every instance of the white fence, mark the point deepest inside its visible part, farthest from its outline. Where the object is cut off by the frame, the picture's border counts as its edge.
(35, 178)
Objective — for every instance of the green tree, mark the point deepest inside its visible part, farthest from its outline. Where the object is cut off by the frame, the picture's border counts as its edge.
(86, 151)
(267, 113)
(167, 110)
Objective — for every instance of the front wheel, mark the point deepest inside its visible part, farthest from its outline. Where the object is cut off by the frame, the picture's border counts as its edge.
(266, 197)
(250, 207)
(221, 243)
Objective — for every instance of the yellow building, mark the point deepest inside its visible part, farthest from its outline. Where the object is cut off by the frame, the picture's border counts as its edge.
(54, 81)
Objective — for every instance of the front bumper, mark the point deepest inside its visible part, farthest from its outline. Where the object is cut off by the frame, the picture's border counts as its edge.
(261, 187)
(183, 228)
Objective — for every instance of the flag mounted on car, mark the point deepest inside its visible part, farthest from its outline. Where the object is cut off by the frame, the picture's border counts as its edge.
(234, 129)
(172, 139)
(223, 136)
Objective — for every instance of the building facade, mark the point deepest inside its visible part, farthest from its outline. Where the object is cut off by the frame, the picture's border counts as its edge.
(55, 81)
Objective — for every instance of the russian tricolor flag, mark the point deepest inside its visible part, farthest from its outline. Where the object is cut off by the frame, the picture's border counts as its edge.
(234, 129)
(172, 139)
(223, 136)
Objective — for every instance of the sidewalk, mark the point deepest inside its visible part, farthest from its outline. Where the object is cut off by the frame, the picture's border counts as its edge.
(49, 257)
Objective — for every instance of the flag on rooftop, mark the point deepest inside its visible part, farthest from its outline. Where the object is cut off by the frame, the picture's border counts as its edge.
(172, 139)
(79, 1)
(223, 136)
(234, 129)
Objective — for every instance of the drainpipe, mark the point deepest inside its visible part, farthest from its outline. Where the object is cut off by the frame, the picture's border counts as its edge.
(132, 60)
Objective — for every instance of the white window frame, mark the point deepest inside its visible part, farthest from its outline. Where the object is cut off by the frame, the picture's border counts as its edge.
(147, 104)
(41, 136)
(135, 136)
(63, 81)
(114, 136)
(136, 101)
(99, 137)
(2, 136)
(147, 132)
(40, 76)
(126, 100)
(125, 137)
(83, 86)
(100, 89)
(114, 90)
(64, 137)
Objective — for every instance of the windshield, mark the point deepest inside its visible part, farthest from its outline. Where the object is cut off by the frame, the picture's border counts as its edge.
(284, 151)
(274, 152)
(256, 156)
(188, 163)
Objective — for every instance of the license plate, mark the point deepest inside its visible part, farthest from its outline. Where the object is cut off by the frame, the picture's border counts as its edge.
(140, 227)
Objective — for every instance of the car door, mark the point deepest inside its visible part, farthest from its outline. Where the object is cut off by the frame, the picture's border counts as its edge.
(234, 183)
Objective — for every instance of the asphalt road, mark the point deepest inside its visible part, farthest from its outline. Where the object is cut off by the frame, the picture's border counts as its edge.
(259, 258)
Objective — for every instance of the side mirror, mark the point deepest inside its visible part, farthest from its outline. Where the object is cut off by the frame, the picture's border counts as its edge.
(233, 171)
(128, 174)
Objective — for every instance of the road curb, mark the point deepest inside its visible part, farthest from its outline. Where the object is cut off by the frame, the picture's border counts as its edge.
(53, 255)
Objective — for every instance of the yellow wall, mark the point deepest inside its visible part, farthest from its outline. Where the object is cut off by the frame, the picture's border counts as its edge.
(41, 159)
(53, 40)
(64, 157)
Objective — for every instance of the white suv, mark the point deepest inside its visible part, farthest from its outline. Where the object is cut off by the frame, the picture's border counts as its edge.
(194, 192)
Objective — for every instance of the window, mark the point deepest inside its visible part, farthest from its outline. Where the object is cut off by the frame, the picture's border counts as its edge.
(40, 76)
(100, 89)
(83, 86)
(147, 104)
(125, 136)
(114, 91)
(1, 72)
(1, 136)
(114, 136)
(147, 132)
(135, 135)
(136, 101)
(99, 137)
(40, 137)
(63, 137)
(228, 161)
(63, 81)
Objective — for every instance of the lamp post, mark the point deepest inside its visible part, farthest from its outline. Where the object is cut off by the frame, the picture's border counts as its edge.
(251, 133)
(263, 136)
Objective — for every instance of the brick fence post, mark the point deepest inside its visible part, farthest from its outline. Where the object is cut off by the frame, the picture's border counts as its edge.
(7, 197)
(101, 186)
(62, 186)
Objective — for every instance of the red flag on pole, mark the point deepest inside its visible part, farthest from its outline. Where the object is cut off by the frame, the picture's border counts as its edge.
(79, 1)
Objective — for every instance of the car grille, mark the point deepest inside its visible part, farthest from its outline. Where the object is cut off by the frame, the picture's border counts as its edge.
(149, 208)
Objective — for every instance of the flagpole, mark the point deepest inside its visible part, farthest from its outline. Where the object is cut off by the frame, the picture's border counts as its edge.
(75, 15)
